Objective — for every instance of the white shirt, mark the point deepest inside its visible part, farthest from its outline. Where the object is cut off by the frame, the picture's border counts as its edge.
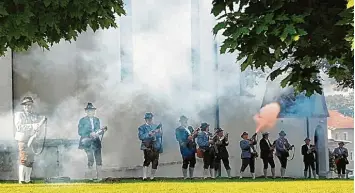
(92, 123)
(188, 131)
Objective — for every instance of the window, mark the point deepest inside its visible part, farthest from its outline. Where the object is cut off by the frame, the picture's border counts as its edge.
(351, 156)
(345, 136)
(336, 136)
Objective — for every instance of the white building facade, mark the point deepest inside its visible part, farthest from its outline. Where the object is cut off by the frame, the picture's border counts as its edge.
(160, 80)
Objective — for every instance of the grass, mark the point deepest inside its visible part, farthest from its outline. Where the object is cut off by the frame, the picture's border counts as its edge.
(180, 186)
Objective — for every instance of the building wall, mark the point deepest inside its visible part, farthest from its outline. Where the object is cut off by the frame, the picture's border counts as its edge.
(64, 79)
(121, 146)
(8, 147)
(346, 134)
(6, 95)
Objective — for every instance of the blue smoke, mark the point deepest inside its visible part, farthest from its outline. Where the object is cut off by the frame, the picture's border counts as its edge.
(297, 106)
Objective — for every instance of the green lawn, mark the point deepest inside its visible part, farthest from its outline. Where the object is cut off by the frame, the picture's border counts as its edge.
(180, 186)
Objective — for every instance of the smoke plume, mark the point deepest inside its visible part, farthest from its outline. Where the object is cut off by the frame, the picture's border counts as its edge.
(64, 79)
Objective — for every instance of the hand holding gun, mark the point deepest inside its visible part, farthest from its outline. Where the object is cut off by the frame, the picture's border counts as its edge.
(289, 148)
(36, 130)
(252, 140)
(312, 149)
(226, 136)
(272, 148)
(98, 132)
(194, 133)
(39, 124)
(210, 139)
(155, 131)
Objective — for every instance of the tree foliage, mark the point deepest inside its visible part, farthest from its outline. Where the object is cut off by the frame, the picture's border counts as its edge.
(300, 33)
(45, 22)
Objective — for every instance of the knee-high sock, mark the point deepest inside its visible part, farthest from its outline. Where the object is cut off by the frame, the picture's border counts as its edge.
(145, 171)
(265, 173)
(152, 174)
(253, 176)
(205, 173)
(229, 173)
(212, 173)
(184, 173)
(315, 176)
(273, 172)
(28, 174)
(99, 172)
(21, 173)
(241, 175)
(191, 172)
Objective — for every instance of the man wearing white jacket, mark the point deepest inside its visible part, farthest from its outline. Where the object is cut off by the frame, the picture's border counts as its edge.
(27, 124)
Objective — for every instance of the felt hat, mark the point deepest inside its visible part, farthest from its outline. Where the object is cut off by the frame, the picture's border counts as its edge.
(27, 100)
(216, 130)
(183, 118)
(282, 133)
(90, 106)
(148, 115)
(244, 133)
(204, 126)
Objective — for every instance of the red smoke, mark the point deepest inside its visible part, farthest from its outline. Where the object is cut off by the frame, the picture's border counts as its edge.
(267, 117)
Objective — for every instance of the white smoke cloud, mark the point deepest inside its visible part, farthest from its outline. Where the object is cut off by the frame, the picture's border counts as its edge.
(68, 76)
(64, 79)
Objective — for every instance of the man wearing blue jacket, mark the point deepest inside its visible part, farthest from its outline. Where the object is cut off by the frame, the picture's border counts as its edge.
(185, 135)
(282, 151)
(151, 136)
(247, 155)
(89, 139)
(205, 141)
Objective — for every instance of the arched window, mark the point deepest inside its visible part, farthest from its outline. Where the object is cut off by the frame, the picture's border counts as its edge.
(351, 156)
(345, 135)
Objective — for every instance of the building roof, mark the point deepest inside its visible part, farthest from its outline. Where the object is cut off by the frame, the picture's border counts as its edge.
(337, 120)
(337, 141)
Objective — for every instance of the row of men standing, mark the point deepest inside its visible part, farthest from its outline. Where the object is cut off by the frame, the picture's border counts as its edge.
(211, 147)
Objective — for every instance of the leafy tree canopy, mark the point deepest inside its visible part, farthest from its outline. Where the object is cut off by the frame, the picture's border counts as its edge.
(45, 22)
(303, 34)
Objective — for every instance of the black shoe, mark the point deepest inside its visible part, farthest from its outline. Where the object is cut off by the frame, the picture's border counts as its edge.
(145, 179)
(22, 182)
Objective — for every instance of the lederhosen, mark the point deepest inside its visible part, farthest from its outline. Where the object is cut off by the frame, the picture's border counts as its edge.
(249, 160)
(341, 160)
(150, 151)
(151, 155)
(208, 154)
(283, 155)
(308, 159)
(222, 155)
(26, 154)
(94, 153)
(266, 154)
